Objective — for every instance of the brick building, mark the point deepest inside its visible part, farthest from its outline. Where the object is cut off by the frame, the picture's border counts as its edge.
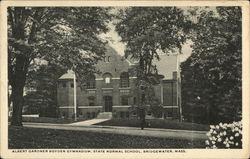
(114, 89)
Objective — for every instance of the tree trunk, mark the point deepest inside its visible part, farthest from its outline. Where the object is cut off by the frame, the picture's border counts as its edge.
(17, 105)
(17, 89)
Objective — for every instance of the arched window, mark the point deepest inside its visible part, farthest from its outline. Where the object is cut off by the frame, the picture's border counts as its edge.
(91, 82)
(107, 78)
(91, 100)
(109, 58)
(124, 80)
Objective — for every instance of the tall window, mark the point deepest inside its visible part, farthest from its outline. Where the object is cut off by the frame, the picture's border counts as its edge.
(124, 100)
(124, 80)
(91, 101)
(107, 78)
(91, 82)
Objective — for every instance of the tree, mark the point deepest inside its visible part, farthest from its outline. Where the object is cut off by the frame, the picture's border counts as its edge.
(211, 80)
(42, 82)
(66, 35)
(147, 32)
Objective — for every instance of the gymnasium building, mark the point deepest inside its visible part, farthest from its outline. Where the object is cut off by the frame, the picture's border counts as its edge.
(113, 91)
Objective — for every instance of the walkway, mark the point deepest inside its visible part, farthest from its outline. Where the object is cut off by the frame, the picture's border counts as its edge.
(89, 122)
(153, 132)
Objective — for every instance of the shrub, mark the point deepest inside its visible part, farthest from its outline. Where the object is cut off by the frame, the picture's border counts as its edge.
(225, 136)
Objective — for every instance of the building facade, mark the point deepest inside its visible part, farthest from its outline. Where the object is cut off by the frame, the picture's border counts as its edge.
(114, 89)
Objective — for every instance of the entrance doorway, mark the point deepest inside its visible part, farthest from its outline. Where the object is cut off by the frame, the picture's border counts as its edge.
(108, 103)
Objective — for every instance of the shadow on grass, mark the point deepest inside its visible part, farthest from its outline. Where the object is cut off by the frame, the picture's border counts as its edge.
(50, 120)
(38, 138)
(156, 123)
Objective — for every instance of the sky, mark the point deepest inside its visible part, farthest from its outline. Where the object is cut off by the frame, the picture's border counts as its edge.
(114, 41)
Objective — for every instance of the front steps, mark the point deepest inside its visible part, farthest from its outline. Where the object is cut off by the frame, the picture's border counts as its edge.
(104, 115)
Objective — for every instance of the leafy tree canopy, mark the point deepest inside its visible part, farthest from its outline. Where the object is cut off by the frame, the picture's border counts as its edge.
(212, 74)
(64, 35)
(149, 31)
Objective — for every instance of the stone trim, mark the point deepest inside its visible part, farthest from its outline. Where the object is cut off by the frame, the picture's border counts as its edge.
(175, 106)
(121, 106)
(87, 107)
(114, 78)
(91, 89)
(126, 88)
(66, 107)
(107, 88)
(132, 77)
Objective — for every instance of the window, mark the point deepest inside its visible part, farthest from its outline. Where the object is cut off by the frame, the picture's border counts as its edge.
(91, 101)
(107, 59)
(122, 114)
(135, 101)
(107, 78)
(91, 84)
(175, 75)
(64, 84)
(124, 80)
(124, 100)
(72, 85)
(127, 114)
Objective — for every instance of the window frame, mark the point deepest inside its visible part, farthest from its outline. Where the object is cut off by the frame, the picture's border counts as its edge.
(91, 99)
(126, 103)
(124, 80)
(91, 83)
(106, 76)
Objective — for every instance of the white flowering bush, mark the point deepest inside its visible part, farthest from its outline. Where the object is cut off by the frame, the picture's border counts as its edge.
(225, 136)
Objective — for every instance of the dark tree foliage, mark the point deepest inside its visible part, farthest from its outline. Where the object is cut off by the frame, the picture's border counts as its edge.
(64, 35)
(42, 83)
(211, 76)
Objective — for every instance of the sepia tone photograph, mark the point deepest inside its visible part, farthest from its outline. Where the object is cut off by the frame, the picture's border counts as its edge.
(138, 78)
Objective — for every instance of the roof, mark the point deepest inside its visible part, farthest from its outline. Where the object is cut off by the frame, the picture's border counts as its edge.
(68, 75)
(167, 65)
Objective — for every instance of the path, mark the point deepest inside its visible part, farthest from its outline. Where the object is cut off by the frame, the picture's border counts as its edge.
(89, 122)
(153, 132)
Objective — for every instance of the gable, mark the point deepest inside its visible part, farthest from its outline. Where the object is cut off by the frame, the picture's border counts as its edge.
(113, 63)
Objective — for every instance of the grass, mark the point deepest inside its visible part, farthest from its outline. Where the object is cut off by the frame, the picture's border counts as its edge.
(38, 138)
(48, 120)
(156, 123)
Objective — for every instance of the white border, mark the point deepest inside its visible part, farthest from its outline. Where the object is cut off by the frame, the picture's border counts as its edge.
(190, 153)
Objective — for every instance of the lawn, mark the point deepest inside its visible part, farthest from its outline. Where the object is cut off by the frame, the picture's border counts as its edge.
(156, 123)
(37, 138)
(49, 120)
